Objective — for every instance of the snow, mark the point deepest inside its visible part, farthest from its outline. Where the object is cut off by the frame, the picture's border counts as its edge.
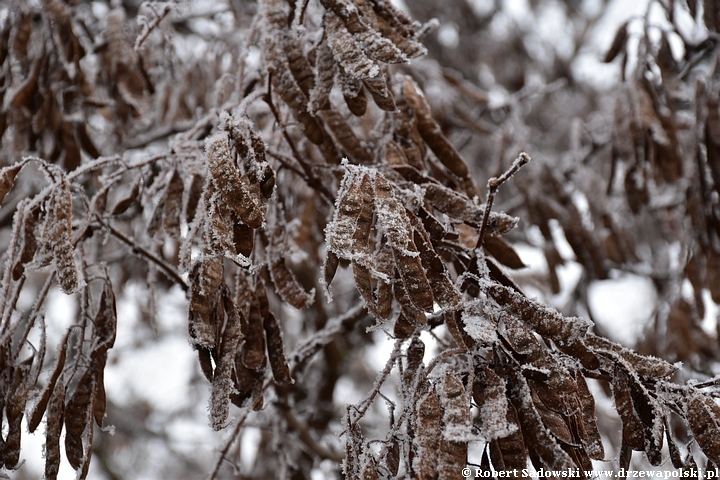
(622, 306)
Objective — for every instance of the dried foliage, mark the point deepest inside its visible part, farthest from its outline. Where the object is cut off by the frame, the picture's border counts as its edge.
(310, 197)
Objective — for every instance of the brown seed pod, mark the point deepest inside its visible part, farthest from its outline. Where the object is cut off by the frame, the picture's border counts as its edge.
(340, 232)
(592, 440)
(7, 178)
(14, 402)
(633, 431)
(78, 416)
(60, 234)
(286, 285)
(230, 189)
(222, 386)
(618, 43)
(545, 451)
(703, 416)
(509, 452)
(205, 281)
(283, 80)
(42, 403)
(353, 146)
(456, 426)
(428, 436)
(443, 289)
(433, 136)
(490, 396)
(55, 416)
(172, 206)
(544, 320)
(253, 346)
(276, 351)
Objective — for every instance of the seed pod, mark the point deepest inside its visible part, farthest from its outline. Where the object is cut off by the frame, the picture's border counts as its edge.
(545, 451)
(222, 386)
(490, 397)
(231, 189)
(618, 43)
(456, 425)
(7, 178)
(431, 133)
(78, 415)
(205, 280)
(703, 416)
(592, 440)
(276, 351)
(55, 420)
(428, 435)
(60, 234)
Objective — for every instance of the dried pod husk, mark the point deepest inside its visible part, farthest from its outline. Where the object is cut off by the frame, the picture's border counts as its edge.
(645, 365)
(433, 136)
(415, 353)
(455, 405)
(703, 416)
(282, 77)
(651, 414)
(633, 431)
(443, 288)
(330, 266)
(172, 206)
(78, 417)
(340, 232)
(351, 57)
(380, 92)
(545, 452)
(325, 67)
(253, 346)
(356, 104)
(231, 190)
(60, 236)
(244, 239)
(428, 436)
(276, 350)
(490, 396)
(618, 43)
(15, 400)
(546, 321)
(28, 223)
(222, 385)
(7, 178)
(391, 456)
(55, 421)
(205, 280)
(415, 282)
(353, 146)
(502, 251)
(42, 403)
(383, 20)
(591, 440)
(286, 284)
(126, 202)
(509, 452)
(393, 218)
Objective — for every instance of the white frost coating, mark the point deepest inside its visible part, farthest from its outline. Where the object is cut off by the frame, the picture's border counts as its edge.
(479, 328)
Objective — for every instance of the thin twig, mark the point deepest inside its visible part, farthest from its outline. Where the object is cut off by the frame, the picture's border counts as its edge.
(171, 273)
(151, 27)
(378, 383)
(304, 434)
(223, 453)
(493, 185)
